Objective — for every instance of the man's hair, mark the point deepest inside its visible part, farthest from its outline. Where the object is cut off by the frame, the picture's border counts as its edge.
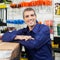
(29, 9)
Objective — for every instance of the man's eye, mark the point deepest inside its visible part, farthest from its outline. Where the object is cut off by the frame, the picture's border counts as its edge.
(32, 14)
(27, 16)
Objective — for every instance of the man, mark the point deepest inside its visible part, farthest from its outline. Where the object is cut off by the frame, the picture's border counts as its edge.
(35, 37)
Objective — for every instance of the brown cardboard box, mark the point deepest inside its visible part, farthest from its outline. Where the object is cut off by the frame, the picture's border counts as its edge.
(9, 51)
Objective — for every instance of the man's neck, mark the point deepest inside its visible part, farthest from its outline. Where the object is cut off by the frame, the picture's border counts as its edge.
(31, 28)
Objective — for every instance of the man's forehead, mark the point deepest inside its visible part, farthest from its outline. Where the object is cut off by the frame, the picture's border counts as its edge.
(29, 12)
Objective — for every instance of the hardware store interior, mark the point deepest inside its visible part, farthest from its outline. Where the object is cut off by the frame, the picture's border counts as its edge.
(11, 18)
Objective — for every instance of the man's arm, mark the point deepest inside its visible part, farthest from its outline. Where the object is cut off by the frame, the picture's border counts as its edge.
(15, 35)
(9, 36)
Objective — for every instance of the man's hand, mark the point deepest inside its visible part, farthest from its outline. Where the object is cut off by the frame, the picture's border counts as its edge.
(27, 37)
(21, 37)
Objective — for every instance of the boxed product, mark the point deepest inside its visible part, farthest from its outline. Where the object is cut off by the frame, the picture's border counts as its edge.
(57, 56)
(9, 51)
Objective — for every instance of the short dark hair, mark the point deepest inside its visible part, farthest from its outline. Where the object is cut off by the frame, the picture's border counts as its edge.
(29, 9)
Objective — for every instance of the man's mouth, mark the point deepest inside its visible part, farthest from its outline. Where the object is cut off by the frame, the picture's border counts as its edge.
(30, 21)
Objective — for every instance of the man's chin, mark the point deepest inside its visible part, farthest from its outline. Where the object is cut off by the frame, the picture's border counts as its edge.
(30, 25)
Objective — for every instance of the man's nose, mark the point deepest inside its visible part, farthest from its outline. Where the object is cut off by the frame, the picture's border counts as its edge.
(30, 17)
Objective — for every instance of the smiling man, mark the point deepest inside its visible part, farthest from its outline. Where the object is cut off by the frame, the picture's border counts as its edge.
(35, 37)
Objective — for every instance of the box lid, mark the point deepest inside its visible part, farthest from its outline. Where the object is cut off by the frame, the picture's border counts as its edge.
(8, 45)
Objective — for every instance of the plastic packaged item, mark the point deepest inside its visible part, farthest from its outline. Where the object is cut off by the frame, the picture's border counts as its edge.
(13, 5)
(58, 10)
(58, 29)
(15, 21)
(24, 4)
(3, 6)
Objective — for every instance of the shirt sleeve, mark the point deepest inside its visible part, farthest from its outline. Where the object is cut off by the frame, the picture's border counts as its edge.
(40, 39)
(9, 36)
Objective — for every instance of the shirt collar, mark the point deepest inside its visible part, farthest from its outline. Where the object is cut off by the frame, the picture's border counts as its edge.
(35, 29)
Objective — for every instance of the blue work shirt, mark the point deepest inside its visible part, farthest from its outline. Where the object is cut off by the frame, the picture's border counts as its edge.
(37, 49)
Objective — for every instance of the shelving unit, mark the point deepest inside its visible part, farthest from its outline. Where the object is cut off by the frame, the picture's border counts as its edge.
(3, 12)
(56, 16)
(3, 16)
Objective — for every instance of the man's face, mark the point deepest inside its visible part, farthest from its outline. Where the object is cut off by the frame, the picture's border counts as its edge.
(30, 18)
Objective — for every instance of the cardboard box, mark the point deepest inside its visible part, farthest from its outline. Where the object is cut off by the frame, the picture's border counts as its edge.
(9, 51)
(57, 56)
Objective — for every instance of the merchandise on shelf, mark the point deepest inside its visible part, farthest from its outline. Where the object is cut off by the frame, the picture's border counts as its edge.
(57, 8)
(13, 5)
(32, 3)
(3, 6)
(19, 21)
(50, 24)
(58, 29)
